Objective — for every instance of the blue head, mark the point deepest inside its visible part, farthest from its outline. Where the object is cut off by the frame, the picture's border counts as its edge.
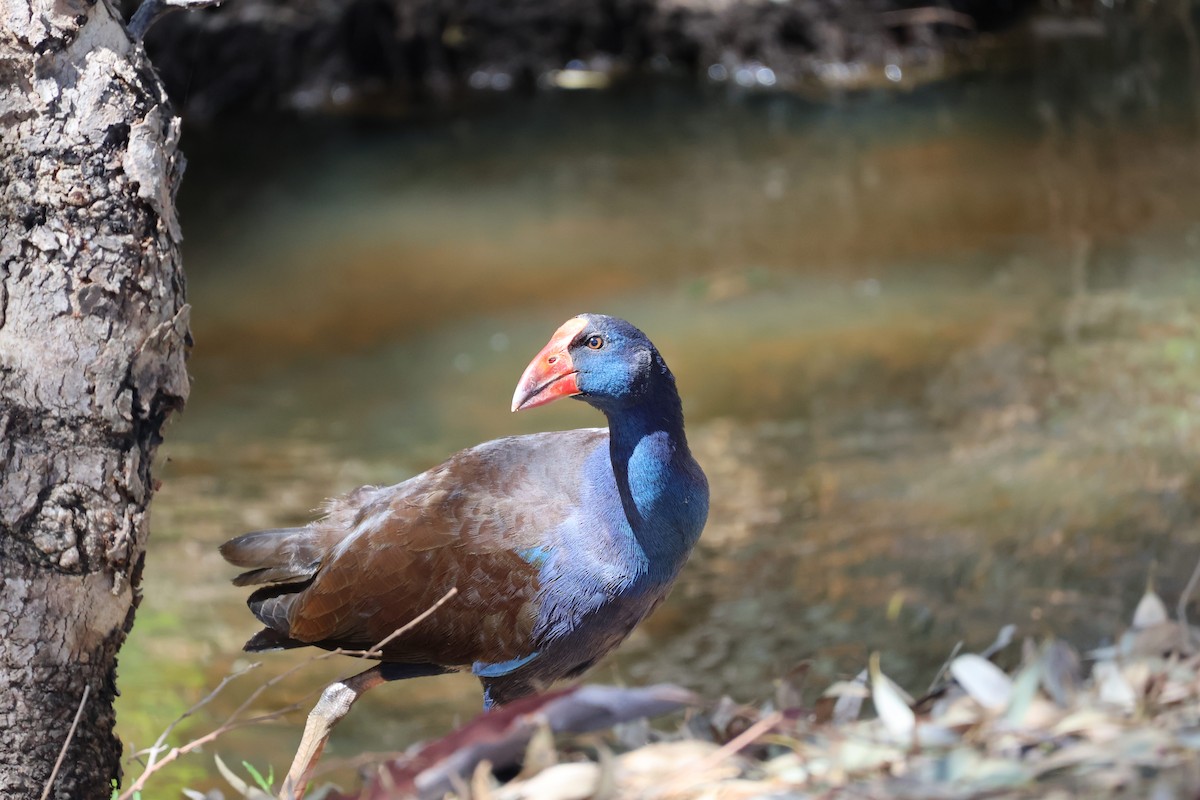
(602, 360)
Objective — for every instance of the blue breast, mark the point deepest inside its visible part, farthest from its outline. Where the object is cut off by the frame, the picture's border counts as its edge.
(606, 567)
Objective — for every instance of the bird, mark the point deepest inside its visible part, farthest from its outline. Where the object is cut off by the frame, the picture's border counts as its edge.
(538, 553)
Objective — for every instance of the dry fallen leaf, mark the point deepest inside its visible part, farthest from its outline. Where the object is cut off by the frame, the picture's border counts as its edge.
(850, 696)
(1150, 611)
(561, 782)
(983, 681)
(1112, 687)
(893, 711)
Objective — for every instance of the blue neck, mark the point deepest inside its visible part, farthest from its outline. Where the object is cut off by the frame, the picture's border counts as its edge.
(659, 482)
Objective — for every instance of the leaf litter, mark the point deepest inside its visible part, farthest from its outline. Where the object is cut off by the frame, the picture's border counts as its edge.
(1127, 727)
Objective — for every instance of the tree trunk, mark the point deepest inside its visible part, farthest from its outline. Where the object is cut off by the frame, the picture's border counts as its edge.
(93, 339)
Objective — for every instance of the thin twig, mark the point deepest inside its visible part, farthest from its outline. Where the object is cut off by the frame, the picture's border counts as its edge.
(696, 771)
(62, 754)
(742, 740)
(160, 743)
(937, 679)
(234, 720)
(195, 744)
(1181, 609)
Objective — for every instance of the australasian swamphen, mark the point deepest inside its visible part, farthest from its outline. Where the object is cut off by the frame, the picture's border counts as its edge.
(558, 543)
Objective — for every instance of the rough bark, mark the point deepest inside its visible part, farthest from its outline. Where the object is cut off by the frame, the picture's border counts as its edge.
(93, 339)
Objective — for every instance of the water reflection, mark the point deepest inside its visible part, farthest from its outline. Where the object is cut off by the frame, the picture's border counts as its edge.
(940, 356)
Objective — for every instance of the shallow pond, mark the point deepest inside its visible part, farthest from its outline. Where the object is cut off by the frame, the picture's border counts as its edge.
(939, 353)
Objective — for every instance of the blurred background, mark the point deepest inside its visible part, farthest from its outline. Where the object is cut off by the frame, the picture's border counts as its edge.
(927, 274)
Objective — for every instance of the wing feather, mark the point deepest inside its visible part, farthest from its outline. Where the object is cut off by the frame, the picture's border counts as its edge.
(470, 524)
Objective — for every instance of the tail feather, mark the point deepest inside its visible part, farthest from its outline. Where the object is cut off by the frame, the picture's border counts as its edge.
(281, 555)
(285, 560)
(268, 575)
(273, 604)
(271, 639)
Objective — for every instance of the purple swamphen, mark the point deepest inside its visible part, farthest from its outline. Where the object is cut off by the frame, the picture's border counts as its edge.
(557, 543)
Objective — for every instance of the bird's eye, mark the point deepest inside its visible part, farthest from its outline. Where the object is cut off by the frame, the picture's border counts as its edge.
(595, 342)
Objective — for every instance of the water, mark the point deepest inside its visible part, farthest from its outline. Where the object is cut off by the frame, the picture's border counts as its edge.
(939, 354)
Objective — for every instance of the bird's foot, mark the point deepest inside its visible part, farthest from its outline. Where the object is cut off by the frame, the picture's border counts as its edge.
(334, 704)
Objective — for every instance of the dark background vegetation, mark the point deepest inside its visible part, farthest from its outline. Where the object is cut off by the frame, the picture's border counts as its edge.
(311, 54)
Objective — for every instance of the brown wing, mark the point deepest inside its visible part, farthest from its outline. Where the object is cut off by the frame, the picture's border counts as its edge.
(474, 524)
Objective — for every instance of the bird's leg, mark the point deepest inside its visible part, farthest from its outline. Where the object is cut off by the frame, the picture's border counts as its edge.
(334, 704)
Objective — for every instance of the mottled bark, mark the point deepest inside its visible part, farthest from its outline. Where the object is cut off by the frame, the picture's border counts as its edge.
(93, 338)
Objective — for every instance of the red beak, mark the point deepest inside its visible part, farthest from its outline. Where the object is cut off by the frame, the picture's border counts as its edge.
(551, 374)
